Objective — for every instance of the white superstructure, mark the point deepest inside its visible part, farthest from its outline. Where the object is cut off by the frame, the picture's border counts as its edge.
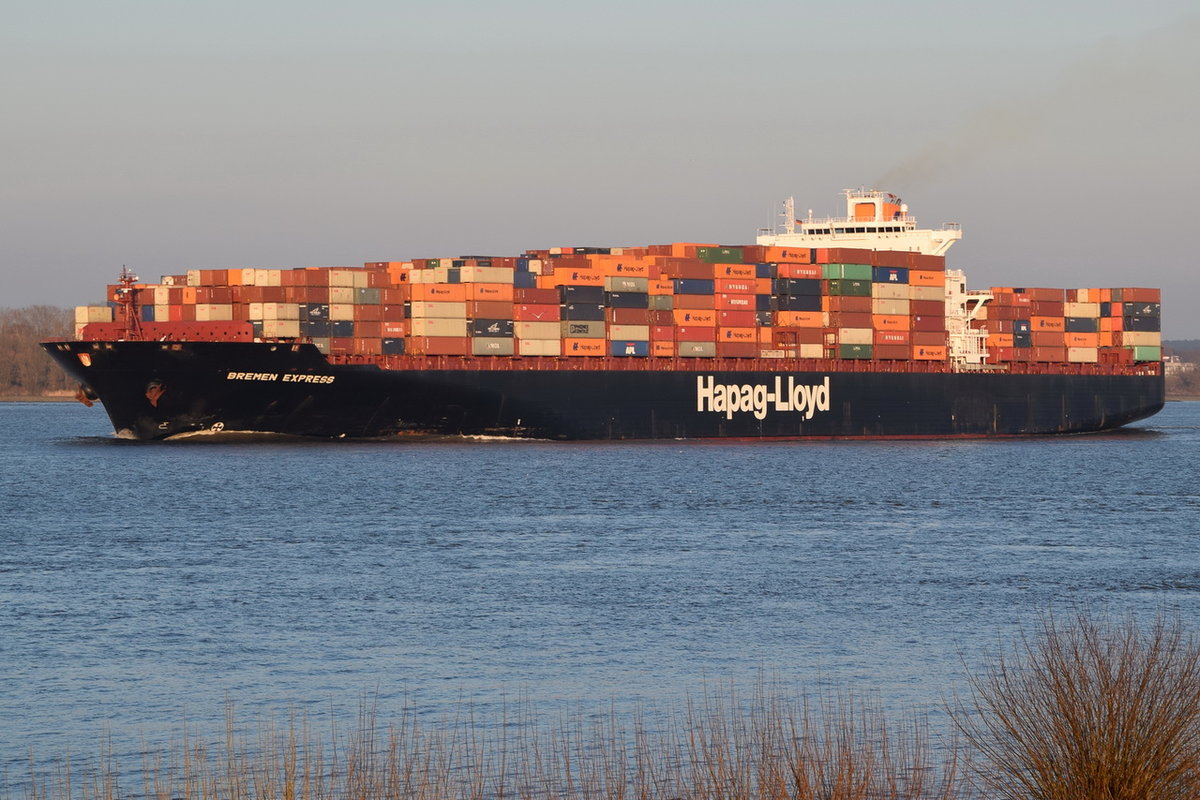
(874, 220)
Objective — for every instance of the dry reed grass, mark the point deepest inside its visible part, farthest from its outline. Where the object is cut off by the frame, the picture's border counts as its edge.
(717, 748)
(1089, 709)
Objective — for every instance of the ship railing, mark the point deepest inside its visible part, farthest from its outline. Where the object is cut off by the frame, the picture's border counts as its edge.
(724, 364)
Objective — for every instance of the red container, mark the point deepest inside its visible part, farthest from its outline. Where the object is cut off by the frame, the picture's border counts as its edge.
(1050, 355)
(537, 296)
(438, 345)
(737, 319)
(628, 316)
(695, 301)
(789, 270)
(695, 333)
(686, 268)
(927, 308)
(928, 322)
(735, 349)
(892, 352)
(735, 285)
(662, 333)
(735, 302)
(490, 309)
(536, 312)
(928, 338)
(893, 338)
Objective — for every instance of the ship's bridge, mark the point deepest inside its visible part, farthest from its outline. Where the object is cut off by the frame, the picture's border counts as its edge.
(875, 220)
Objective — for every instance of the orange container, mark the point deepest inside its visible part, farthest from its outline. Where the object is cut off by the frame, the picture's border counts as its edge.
(1047, 323)
(692, 316)
(925, 277)
(890, 322)
(584, 347)
(734, 271)
(662, 349)
(800, 319)
(661, 287)
(1000, 340)
(441, 292)
(578, 277)
(490, 291)
(929, 352)
(796, 255)
(1082, 339)
(737, 334)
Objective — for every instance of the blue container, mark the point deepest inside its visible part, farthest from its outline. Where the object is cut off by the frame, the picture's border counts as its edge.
(341, 329)
(315, 311)
(147, 313)
(1021, 326)
(524, 280)
(491, 327)
(763, 319)
(628, 348)
(393, 347)
(315, 328)
(1141, 324)
(454, 275)
(694, 285)
(1082, 325)
(889, 275)
(627, 300)
(764, 270)
(762, 302)
(582, 312)
(1023, 339)
(580, 294)
(798, 302)
(809, 286)
(522, 265)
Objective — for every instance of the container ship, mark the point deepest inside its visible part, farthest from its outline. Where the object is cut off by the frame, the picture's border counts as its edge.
(846, 327)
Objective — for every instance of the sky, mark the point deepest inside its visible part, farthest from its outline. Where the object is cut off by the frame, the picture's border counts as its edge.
(1064, 137)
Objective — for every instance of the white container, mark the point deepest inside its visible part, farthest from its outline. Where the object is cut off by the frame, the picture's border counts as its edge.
(438, 309)
(640, 333)
(539, 347)
(537, 330)
(856, 335)
(434, 326)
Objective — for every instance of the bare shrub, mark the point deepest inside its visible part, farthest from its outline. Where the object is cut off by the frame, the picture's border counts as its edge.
(1089, 710)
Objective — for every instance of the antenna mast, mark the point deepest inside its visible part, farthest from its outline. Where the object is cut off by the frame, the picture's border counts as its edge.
(789, 215)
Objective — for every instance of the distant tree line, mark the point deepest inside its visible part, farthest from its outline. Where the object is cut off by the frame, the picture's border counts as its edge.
(25, 369)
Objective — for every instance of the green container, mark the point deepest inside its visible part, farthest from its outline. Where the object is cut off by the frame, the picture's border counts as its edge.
(854, 351)
(858, 272)
(661, 302)
(720, 255)
(846, 287)
(1147, 353)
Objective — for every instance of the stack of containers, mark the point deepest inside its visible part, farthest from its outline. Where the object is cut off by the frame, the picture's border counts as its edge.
(682, 299)
(1079, 326)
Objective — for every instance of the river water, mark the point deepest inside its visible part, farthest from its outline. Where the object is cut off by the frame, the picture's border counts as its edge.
(145, 584)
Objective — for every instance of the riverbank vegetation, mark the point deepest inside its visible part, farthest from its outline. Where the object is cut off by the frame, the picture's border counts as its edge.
(25, 370)
(1078, 709)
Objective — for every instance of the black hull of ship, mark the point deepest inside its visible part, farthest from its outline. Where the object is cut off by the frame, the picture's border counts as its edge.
(154, 390)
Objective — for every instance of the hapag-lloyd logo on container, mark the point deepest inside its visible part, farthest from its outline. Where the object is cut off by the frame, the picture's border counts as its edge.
(759, 398)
